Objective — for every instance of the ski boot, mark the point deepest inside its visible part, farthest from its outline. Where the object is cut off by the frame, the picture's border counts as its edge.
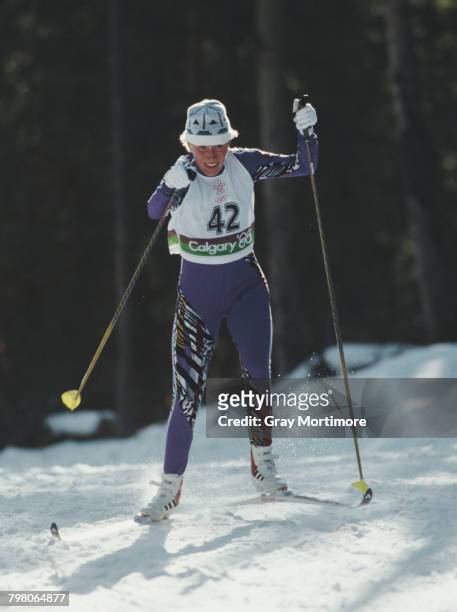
(164, 501)
(263, 470)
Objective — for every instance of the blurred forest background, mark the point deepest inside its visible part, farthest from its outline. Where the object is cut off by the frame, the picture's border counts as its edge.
(93, 97)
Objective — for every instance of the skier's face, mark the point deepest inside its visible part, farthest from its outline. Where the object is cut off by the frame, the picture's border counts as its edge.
(210, 160)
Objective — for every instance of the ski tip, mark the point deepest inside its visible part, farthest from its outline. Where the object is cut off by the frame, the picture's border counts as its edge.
(142, 518)
(54, 530)
(367, 497)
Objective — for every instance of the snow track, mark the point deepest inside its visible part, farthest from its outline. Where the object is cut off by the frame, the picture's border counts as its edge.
(399, 553)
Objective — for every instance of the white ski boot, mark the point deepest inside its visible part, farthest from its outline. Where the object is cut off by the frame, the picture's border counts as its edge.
(263, 470)
(164, 501)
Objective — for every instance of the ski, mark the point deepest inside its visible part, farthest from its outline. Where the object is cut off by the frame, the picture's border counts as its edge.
(143, 519)
(290, 497)
(55, 531)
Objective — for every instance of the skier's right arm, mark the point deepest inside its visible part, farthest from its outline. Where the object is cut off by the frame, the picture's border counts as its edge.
(175, 178)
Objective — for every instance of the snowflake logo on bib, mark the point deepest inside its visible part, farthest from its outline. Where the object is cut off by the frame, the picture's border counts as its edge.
(219, 188)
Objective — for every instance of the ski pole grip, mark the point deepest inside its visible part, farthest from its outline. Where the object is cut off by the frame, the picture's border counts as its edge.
(303, 100)
(299, 103)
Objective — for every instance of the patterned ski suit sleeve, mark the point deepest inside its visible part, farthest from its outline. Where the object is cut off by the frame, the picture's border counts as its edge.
(263, 165)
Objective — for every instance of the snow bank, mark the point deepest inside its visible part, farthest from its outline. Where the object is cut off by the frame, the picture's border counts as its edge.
(435, 361)
(82, 422)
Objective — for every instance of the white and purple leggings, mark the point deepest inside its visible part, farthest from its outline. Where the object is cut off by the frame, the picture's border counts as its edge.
(207, 294)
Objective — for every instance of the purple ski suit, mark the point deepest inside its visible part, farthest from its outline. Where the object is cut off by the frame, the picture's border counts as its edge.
(236, 291)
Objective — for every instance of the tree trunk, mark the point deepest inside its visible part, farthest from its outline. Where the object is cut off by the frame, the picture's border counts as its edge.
(276, 128)
(124, 359)
(417, 164)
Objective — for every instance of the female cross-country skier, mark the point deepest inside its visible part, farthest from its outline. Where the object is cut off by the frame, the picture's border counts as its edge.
(212, 229)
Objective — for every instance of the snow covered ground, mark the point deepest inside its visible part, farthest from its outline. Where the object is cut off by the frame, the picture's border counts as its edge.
(397, 554)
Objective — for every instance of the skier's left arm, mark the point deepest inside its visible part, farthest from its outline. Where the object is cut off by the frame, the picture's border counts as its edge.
(263, 165)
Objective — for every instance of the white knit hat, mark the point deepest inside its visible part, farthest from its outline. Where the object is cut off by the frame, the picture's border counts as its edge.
(207, 124)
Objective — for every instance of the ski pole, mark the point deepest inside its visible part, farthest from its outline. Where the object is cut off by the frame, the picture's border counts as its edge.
(359, 484)
(72, 399)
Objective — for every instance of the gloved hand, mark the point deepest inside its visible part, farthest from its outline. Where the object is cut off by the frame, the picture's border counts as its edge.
(304, 118)
(177, 176)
